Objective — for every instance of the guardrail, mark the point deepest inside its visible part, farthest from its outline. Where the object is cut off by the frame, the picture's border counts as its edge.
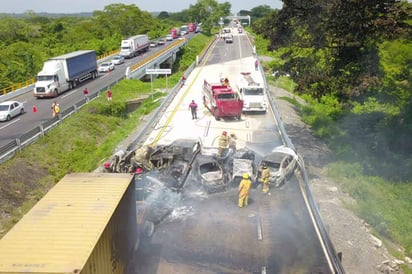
(6, 93)
(306, 191)
(10, 149)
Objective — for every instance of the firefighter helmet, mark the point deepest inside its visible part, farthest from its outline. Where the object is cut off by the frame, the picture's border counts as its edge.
(264, 165)
(138, 170)
(245, 176)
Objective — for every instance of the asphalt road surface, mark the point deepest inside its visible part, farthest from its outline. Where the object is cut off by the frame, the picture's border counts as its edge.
(208, 233)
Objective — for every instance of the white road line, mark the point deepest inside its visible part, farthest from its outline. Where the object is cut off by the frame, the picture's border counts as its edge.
(9, 124)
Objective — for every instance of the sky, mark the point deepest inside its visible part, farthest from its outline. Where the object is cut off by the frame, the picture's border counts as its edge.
(75, 6)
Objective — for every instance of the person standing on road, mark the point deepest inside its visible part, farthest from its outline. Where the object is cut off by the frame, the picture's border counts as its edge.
(55, 109)
(264, 178)
(85, 92)
(193, 109)
(244, 188)
(223, 144)
(109, 95)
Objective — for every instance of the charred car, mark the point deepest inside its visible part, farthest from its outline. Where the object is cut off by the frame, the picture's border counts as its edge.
(281, 163)
(209, 173)
(243, 161)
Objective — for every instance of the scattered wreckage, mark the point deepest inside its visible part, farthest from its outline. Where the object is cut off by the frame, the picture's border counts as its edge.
(187, 162)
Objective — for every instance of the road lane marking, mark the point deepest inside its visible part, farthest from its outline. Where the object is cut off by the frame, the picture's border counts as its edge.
(180, 102)
(12, 122)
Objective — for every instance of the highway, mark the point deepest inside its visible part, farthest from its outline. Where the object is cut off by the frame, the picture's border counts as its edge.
(209, 233)
(21, 124)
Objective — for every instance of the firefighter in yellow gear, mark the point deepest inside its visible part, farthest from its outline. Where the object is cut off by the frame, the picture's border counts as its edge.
(244, 188)
(223, 143)
(264, 178)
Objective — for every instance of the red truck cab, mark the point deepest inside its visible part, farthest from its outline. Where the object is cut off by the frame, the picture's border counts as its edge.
(222, 100)
(175, 33)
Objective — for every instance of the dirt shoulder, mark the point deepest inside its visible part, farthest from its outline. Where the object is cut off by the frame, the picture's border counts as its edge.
(362, 252)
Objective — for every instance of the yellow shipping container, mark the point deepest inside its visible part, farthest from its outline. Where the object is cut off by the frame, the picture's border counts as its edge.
(85, 224)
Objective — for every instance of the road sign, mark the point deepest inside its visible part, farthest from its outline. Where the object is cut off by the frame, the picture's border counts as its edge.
(158, 71)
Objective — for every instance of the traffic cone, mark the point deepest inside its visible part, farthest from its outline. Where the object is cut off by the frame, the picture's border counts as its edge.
(34, 109)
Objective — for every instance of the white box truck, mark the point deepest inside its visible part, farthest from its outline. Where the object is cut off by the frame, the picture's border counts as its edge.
(65, 72)
(134, 45)
(252, 93)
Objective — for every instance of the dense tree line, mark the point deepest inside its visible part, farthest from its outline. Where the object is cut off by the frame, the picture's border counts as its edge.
(355, 58)
(27, 41)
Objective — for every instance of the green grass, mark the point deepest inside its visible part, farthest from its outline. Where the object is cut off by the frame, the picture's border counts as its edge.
(83, 141)
(367, 166)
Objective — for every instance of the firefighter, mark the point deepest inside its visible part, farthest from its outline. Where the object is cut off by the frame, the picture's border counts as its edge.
(244, 188)
(264, 178)
(226, 82)
(223, 144)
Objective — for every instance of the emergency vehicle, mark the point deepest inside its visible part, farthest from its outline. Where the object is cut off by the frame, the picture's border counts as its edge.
(222, 100)
(252, 93)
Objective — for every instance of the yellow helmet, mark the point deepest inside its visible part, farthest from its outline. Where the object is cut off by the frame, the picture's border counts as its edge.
(245, 176)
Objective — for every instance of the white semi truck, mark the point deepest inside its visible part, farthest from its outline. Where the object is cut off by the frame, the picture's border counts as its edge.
(252, 93)
(134, 45)
(65, 72)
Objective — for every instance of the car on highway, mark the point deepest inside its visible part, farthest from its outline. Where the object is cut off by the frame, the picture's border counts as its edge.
(153, 44)
(281, 163)
(10, 109)
(161, 41)
(106, 67)
(118, 60)
(169, 37)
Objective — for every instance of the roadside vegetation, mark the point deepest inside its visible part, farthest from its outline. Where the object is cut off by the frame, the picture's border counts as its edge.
(352, 65)
(83, 141)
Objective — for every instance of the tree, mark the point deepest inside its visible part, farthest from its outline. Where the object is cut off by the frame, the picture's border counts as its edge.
(208, 12)
(163, 15)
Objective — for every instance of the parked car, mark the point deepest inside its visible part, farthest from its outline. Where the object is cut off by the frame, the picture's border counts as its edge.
(106, 67)
(118, 60)
(169, 37)
(281, 162)
(10, 109)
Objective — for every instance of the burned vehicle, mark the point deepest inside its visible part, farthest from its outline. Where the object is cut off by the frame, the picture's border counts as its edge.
(281, 163)
(208, 172)
(243, 161)
(174, 161)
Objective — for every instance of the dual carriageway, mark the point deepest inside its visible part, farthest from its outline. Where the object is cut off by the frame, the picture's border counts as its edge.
(277, 233)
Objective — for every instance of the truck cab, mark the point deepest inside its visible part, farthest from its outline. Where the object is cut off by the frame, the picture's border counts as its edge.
(222, 100)
(127, 48)
(51, 80)
(252, 93)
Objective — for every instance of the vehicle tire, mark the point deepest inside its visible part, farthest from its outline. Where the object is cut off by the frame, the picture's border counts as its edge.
(215, 114)
(8, 118)
(56, 92)
(238, 117)
(22, 111)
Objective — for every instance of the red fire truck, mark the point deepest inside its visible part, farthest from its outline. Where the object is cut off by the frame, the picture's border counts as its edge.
(222, 100)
